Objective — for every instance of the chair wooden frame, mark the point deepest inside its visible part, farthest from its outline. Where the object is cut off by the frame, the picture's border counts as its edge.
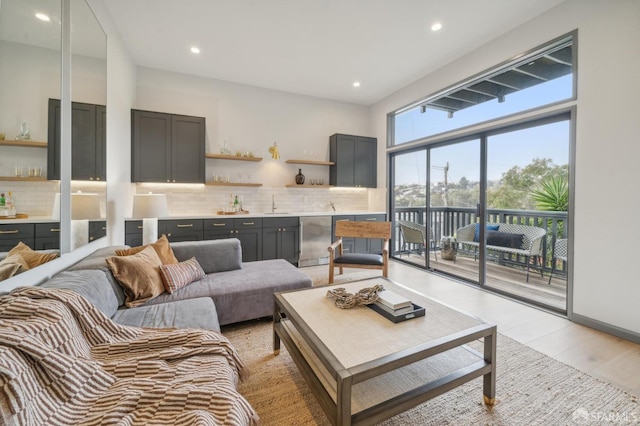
(349, 229)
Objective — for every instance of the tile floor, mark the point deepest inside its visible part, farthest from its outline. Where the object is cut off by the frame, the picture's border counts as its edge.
(601, 355)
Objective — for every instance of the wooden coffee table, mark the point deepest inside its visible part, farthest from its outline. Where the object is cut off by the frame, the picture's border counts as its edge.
(363, 368)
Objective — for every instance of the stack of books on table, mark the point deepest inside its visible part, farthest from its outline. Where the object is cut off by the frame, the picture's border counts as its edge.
(395, 307)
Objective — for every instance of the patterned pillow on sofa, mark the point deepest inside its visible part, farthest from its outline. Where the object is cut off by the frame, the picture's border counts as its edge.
(181, 274)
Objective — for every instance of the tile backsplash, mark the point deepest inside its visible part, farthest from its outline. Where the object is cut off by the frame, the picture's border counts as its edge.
(32, 198)
(194, 200)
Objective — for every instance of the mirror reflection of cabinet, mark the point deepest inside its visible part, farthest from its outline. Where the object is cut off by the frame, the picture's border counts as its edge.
(88, 136)
(31, 60)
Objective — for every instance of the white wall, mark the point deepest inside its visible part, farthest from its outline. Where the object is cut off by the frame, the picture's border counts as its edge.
(607, 148)
(121, 83)
(252, 119)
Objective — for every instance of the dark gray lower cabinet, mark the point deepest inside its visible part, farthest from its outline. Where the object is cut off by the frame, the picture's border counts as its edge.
(133, 233)
(97, 229)
(47, 236)
(247, 230)
(181, 230)
(38, 236)
(260, 238)
(12, 234)
(281, 238)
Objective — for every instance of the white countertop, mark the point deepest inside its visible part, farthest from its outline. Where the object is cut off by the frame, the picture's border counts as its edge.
(276, 214)
(31, 219)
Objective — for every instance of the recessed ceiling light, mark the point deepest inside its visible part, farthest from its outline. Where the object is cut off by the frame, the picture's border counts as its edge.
(195, 50)
(436, 27)
(43, 17)
(356, 84)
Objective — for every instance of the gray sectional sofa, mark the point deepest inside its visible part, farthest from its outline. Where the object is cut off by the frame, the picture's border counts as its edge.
(231, 291)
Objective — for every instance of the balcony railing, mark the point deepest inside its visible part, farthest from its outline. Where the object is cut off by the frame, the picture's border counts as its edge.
(446, 220)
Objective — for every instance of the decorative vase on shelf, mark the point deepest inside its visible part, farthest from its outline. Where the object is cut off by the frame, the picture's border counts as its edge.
(299, 177)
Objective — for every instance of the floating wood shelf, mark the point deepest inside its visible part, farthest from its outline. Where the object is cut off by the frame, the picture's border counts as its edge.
(29, 144)
(232, 184)
(23, 179)
(311, 162)
(295, 185)
(232, 157)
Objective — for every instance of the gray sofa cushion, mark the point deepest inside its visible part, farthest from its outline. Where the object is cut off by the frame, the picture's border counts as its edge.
(192, 313)
(243, 294)
(96, 261)
(92, 284)
(212, 255)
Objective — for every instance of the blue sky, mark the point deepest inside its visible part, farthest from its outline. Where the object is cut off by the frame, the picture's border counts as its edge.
(504, 151)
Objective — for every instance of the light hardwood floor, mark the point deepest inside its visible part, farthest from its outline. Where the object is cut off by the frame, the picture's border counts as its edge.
(601, 355)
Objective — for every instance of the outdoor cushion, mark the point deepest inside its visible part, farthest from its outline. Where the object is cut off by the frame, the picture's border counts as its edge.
(504, 239)
(476, 236)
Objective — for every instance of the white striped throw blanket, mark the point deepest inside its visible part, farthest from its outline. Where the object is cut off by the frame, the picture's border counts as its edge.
(62, 362)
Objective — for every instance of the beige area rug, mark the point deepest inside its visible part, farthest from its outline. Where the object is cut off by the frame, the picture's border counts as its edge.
(532, 389)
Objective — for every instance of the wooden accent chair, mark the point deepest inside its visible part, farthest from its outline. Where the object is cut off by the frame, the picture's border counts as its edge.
(348, 229)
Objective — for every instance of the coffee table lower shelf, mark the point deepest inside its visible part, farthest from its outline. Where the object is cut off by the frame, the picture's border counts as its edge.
(369, 393)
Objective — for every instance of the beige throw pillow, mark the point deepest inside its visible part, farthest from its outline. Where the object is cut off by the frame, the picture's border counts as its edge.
(11, 265)
(32, 257)
(161, 247)
(139, 276)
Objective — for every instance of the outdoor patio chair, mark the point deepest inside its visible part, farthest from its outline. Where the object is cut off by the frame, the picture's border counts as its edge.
(414, 234)
(559, 253)
(349, 229)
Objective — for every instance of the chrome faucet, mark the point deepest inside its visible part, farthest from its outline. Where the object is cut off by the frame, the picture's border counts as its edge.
(333, 206)
(273, 203)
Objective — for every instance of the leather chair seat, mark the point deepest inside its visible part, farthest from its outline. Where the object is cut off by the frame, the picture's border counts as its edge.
(360, 258)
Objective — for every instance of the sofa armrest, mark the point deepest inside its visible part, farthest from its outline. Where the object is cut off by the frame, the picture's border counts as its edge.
(212, 255)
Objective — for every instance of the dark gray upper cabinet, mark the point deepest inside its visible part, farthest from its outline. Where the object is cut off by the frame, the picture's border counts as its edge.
(355, 161)
(88, 136)
(167, 147)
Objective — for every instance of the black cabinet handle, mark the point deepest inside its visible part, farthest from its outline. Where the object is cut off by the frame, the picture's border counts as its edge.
(15, 231)
(219, 224)
(54, 230)
(248, 223)
(186, 225)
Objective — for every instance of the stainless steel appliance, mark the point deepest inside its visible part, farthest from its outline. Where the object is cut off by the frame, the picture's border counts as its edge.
(315, 239)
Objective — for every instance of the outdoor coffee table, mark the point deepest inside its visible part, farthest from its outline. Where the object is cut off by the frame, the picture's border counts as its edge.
(363, 368)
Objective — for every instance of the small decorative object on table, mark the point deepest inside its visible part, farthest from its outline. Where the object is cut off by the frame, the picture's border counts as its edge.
(345, 300)
(299, 177)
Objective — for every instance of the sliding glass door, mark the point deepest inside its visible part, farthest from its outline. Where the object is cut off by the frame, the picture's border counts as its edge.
(454, 199)
(527, 193)
(489, 209)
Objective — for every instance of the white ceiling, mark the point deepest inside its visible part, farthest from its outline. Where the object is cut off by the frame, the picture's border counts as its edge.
(314, 47)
